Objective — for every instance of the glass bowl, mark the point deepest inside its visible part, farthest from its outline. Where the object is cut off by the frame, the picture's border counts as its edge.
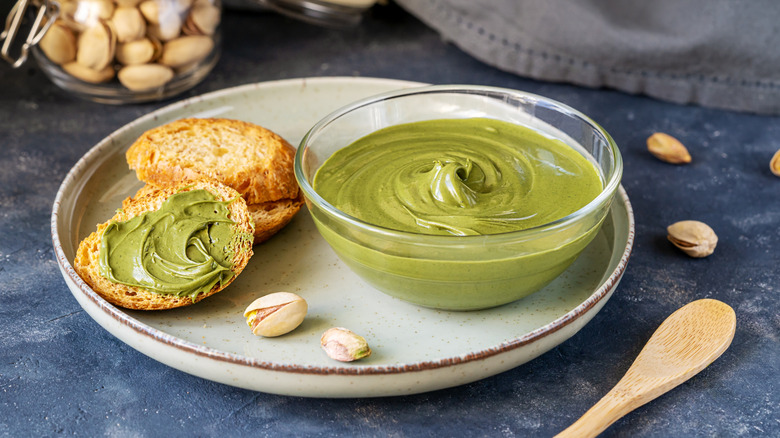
(458, 272)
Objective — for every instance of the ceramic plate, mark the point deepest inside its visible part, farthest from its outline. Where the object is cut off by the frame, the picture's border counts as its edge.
(414, 349)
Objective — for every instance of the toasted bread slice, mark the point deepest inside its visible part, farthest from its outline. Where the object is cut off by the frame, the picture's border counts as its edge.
(249, 158)
(87, 261)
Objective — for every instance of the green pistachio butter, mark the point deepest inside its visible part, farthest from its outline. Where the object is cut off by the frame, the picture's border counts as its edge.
(458, 176)
(182, 249)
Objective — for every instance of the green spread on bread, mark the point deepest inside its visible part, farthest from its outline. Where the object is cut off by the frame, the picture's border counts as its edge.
(184, 248)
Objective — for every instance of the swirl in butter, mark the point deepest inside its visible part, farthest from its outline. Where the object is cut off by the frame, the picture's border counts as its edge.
(458, 176)
(183, 249)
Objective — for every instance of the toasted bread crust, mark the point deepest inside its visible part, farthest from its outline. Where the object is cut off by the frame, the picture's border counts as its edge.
(249, 158)
(86, 262)
(270, 217)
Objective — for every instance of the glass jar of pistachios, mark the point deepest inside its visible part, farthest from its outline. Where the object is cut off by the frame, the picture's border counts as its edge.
(127, 51)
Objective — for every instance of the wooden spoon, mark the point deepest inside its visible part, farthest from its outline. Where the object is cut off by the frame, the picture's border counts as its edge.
(690, 339)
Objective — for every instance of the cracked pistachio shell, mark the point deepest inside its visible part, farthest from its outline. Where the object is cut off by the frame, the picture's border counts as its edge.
(186, 50)
(129, 24)
(694, 238)
(59, 44)
(667, 148)
(344, 345)
(96, 47)
(276, 314)
(774, 164)
(145, 76)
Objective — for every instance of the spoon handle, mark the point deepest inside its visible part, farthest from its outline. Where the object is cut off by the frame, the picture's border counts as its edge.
(615, 404)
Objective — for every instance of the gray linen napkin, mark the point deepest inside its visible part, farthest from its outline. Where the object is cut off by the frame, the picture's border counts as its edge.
(716, 53)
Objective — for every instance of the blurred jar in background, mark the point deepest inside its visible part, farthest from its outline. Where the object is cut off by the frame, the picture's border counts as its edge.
(329, 13)
(127, 51)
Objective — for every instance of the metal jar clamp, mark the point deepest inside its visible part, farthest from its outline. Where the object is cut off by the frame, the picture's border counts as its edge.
(42, 9)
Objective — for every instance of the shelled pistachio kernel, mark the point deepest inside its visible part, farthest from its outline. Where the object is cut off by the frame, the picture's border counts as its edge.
(344, 345)
(275, 314)
(694, 238)
(667, 148)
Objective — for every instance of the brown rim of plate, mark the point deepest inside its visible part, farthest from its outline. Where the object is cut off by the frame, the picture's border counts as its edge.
(211, 353)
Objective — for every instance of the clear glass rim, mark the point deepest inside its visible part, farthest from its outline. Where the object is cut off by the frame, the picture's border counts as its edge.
(610, 187)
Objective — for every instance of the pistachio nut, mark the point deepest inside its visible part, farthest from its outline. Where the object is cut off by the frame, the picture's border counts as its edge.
(694, 238)
(145, 76)
(667, 148)
(168, 28)
(150, 9)
(96, 47)
(186, 50)
(68, 14)
(203, 19)
(127, 3)
(89, 12)
(774, 164)
(128, 24)
(82, 14)
(87, 74)
(59, 44)
(344, 345)
(275, 314)
(138, 52)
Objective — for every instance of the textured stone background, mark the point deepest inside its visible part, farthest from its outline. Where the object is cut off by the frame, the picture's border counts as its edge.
(60, 373)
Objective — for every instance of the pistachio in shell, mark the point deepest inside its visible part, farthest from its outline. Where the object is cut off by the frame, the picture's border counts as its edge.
(59, 44)
(145, 76)
(128, 24)
(127, 3)
(167, 29)
(67, 16)
(667, 148)
(774, 164)
(186, 50)
(203, 19)
(87, 13)
(275, 314)
(137, 52)
(87, 74)
(150, 9)
(694, 238)
(96, 47)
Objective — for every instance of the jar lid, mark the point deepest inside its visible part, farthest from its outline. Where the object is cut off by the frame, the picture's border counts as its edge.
(330, 13)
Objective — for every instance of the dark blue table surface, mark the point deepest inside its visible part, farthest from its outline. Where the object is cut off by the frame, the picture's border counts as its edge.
(61, 373)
